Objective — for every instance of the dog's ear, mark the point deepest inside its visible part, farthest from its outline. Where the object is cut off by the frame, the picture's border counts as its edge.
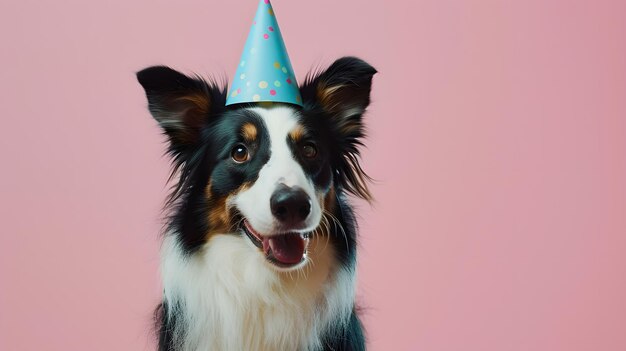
(182, 105)
(342, 94)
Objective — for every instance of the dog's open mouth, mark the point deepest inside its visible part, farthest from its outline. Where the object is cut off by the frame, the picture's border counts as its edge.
(285, 250)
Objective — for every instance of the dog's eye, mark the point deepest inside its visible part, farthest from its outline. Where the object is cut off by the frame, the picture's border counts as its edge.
(309, 150)
(240, 153)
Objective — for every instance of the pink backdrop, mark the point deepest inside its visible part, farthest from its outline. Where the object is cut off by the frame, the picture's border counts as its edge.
(498, 139)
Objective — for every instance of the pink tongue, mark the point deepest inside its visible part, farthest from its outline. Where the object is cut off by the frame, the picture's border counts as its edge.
(288, 248)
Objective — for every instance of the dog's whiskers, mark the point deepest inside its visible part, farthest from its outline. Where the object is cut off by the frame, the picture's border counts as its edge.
(337, 223)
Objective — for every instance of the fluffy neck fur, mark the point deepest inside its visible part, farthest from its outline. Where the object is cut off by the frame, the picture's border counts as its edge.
(226, 297)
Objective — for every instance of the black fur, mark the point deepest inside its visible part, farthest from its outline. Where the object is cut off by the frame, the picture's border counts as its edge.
(200, 132)
(350, 338)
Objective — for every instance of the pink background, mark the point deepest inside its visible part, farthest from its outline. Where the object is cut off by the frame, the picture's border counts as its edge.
(498, 139)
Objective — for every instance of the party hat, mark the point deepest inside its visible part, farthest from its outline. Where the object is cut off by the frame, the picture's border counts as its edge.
(264, 72)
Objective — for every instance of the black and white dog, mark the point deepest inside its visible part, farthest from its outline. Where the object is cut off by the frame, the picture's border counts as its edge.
(260, 249)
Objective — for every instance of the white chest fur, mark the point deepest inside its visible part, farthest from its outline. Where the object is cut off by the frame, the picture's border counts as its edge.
(230, 298)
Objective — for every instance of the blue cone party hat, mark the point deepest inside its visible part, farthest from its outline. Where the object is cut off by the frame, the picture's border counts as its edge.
(264, 72)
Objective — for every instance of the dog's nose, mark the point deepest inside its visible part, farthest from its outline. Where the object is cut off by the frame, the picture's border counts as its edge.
(290, 206)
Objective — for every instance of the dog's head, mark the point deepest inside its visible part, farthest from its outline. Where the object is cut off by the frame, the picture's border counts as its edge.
(268, 173)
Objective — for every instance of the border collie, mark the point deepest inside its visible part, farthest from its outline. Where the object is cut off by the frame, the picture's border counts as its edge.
(260, 248)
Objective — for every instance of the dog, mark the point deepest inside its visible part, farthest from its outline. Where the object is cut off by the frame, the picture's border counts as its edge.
(259, 251)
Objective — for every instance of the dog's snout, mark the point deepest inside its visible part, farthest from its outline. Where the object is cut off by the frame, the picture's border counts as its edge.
(290, 206)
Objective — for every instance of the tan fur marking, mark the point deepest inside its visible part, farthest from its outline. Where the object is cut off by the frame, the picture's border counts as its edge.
(325, 96)
(220, 215)
(190, 112)
(200, 102)
(297, 133)
(207, 190)
(321, 249)
(249, 132)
